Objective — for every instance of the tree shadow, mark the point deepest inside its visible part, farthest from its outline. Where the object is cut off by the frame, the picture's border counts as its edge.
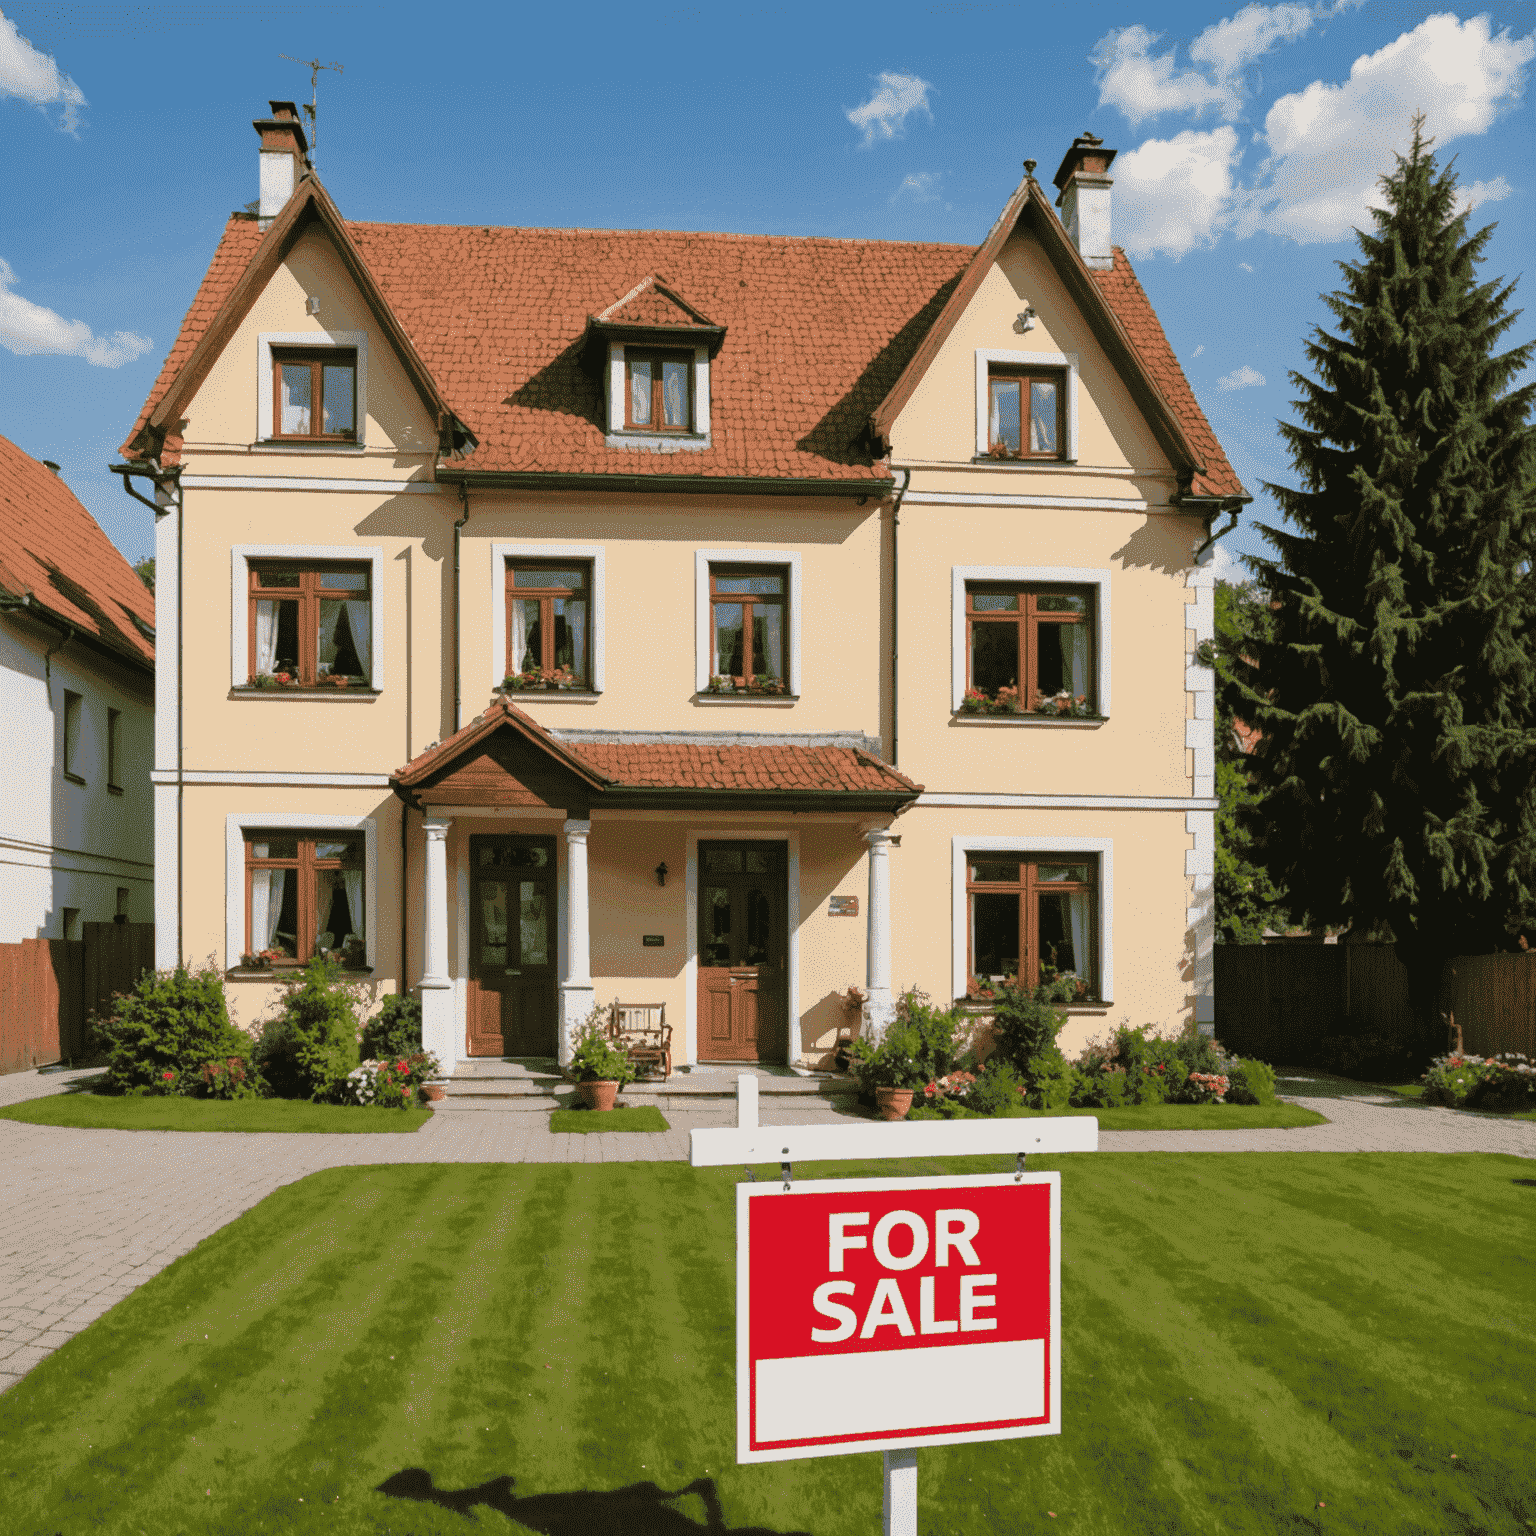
(641, 1509)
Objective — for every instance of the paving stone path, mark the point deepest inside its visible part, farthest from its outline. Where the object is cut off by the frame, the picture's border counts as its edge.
(88, 1216)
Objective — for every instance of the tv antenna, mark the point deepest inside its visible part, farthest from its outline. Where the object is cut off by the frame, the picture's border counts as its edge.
(314, 66)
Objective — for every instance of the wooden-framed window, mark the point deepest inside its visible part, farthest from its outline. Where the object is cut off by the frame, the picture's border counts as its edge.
(310, 623)
(748, 624)
(114, 750)
(549, 622)
(1026, 412)
(1035, 640)
(1033, 916)
(658, 390)
(314, 394)
(305, 895)
(74, 725)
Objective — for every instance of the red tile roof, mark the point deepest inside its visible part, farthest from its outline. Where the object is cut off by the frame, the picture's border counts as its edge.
(54, 551)
(818, 332)
(1133, 308)
(673, 765)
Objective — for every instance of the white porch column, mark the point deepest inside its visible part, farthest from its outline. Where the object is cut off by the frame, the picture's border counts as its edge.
(879, 1009)
(438, 1031)
(576, 992)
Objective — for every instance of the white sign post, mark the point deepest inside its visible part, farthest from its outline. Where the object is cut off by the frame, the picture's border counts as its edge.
(885, 1314)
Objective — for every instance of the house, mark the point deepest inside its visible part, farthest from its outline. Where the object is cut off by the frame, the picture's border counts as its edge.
(723, 621)
(77, 658)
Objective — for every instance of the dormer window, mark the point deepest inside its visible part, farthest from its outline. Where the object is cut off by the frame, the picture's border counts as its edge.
(659, 390)
(314, 394)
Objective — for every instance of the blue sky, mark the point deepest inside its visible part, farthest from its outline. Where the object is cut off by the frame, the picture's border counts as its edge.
(1250, 139)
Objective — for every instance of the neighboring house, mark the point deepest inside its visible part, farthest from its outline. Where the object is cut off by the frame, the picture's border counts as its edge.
(77, 671)
(772, 537)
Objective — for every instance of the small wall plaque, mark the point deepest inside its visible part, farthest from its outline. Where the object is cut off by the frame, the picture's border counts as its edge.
(653, 940)
(843, 906)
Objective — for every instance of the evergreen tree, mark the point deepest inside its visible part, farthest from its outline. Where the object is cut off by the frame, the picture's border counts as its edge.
(1397, 695)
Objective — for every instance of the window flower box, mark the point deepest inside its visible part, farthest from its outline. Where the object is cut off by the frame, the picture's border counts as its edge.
(261, 960)
(272, 680)
(541, 680)
(1006, 701)
(762, 685)
(1065, 706)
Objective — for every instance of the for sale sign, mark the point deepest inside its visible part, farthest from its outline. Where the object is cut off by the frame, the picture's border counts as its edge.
(873, 1314)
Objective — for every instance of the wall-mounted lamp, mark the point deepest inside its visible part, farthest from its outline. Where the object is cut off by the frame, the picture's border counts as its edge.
(1026, 320)
(661, 874)
(312, 305)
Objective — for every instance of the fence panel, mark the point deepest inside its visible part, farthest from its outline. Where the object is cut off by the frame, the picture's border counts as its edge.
(1494, 999)
(116, 955)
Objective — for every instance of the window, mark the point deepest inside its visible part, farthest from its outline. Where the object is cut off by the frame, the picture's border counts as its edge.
(305, 895)
(1032, 916)
(314, 394)
(549, 622)
(1026, 413)
(74, 714)
(747, 625)
(1030, 648)
(658, 391)
(309, 624)
(114, 750)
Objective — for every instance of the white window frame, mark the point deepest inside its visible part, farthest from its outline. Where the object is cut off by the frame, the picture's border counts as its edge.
(357, 340)
(240, 557)
(236, 825)
(962, 847)
(621, 436)
(592, 555)
(702, 560)
(1012, 357)
(1096, 577)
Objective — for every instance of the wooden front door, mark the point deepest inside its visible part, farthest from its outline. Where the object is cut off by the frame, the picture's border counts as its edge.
(743, 951)
(512, 982)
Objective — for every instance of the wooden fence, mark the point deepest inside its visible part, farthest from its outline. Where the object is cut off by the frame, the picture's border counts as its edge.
(50, 987)
(1279, 1001)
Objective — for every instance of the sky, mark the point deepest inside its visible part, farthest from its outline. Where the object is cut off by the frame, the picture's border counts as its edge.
(1250, 142)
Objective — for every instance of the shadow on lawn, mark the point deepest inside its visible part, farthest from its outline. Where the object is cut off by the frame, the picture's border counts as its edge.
(642, 1509)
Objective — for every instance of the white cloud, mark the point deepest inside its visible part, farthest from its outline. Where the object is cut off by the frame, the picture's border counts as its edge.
(28, 329)
(1480, 192)
(1241, 378)
(1223, 565)
(1244, 266)
(1330, 144)
(884, 115)
(1172, 195)
(919, 187)
(1199, 351)
(34, 77)
(1142, 86)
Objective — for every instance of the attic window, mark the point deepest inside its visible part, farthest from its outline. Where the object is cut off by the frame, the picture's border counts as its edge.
(658, 393)
(314, 394)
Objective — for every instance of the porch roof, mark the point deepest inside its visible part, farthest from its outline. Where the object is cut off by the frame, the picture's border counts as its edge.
(505, 757)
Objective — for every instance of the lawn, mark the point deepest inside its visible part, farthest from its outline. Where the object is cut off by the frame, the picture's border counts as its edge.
(624, 1117)
(1198, 1117)
(111, 1112)
(1247, 1338)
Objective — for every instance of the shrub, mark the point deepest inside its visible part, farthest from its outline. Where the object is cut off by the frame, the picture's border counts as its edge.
(998, 1091)
(308, 1049)
(596, 1058)
(1461, 1081)
(394, 1031)
(1024, 1022)
(896, 1062)
(157, 1037)
(1253, 1082)
(232, 1078)
(1100, 1086)
(934, 1031)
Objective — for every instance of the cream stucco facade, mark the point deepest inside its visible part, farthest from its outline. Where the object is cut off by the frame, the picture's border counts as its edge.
(877, 652)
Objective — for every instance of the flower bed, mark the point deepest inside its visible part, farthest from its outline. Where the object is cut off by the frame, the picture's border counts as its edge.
(1506, 1080)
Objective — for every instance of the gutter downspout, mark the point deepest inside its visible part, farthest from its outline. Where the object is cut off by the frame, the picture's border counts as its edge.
(29, 605)
(458, 710)
(1234, 512)
(906, 480)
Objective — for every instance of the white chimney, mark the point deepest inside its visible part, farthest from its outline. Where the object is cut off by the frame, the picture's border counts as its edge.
(283, 158)
(1084, 181)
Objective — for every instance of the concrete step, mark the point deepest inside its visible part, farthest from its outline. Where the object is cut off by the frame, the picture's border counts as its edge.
(533, 1084)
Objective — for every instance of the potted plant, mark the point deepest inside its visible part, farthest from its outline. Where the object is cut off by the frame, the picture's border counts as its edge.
(764, 683)
(261, 960)
(890, 1069)
(599, 1066)
(722, 685)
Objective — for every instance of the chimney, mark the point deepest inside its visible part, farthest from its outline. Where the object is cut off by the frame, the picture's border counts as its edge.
(1084, 181)
(284, 157)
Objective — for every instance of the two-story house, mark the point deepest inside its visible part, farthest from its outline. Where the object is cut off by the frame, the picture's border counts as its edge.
(557, 615)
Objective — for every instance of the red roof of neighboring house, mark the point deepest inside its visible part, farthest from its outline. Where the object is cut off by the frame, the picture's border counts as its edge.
(54, 552)
(817, 333)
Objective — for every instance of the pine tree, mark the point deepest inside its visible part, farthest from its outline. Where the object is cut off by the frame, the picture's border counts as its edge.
(1397, 695)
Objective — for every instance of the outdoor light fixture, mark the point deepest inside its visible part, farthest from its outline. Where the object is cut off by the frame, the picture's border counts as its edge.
(312, 305)
(661, 874)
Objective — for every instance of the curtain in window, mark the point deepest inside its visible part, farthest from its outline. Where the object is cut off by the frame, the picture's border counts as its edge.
(325, 899)
(359, 621)
(1077, 922)
(674, 394)
(640, 394)
(521, 661)
(295, 397)
(1042, 418)
(330, 617)
(352, 883)
(266, 900)
(576, 633)
(1077, 638)
(266, 635)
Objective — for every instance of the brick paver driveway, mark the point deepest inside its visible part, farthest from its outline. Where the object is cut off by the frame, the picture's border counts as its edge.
(88, 1216)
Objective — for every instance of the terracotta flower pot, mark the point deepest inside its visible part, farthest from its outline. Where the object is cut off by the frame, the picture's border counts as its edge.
(893, 1102)
(599, 1094)
(434, 1093)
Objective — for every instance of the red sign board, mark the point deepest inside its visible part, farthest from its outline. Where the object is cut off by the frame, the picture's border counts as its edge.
(873, 1314)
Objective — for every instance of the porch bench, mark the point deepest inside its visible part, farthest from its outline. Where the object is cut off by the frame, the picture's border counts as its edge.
(641, 1030)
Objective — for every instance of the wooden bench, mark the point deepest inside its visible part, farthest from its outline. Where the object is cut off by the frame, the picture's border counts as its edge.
(641, 1030)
